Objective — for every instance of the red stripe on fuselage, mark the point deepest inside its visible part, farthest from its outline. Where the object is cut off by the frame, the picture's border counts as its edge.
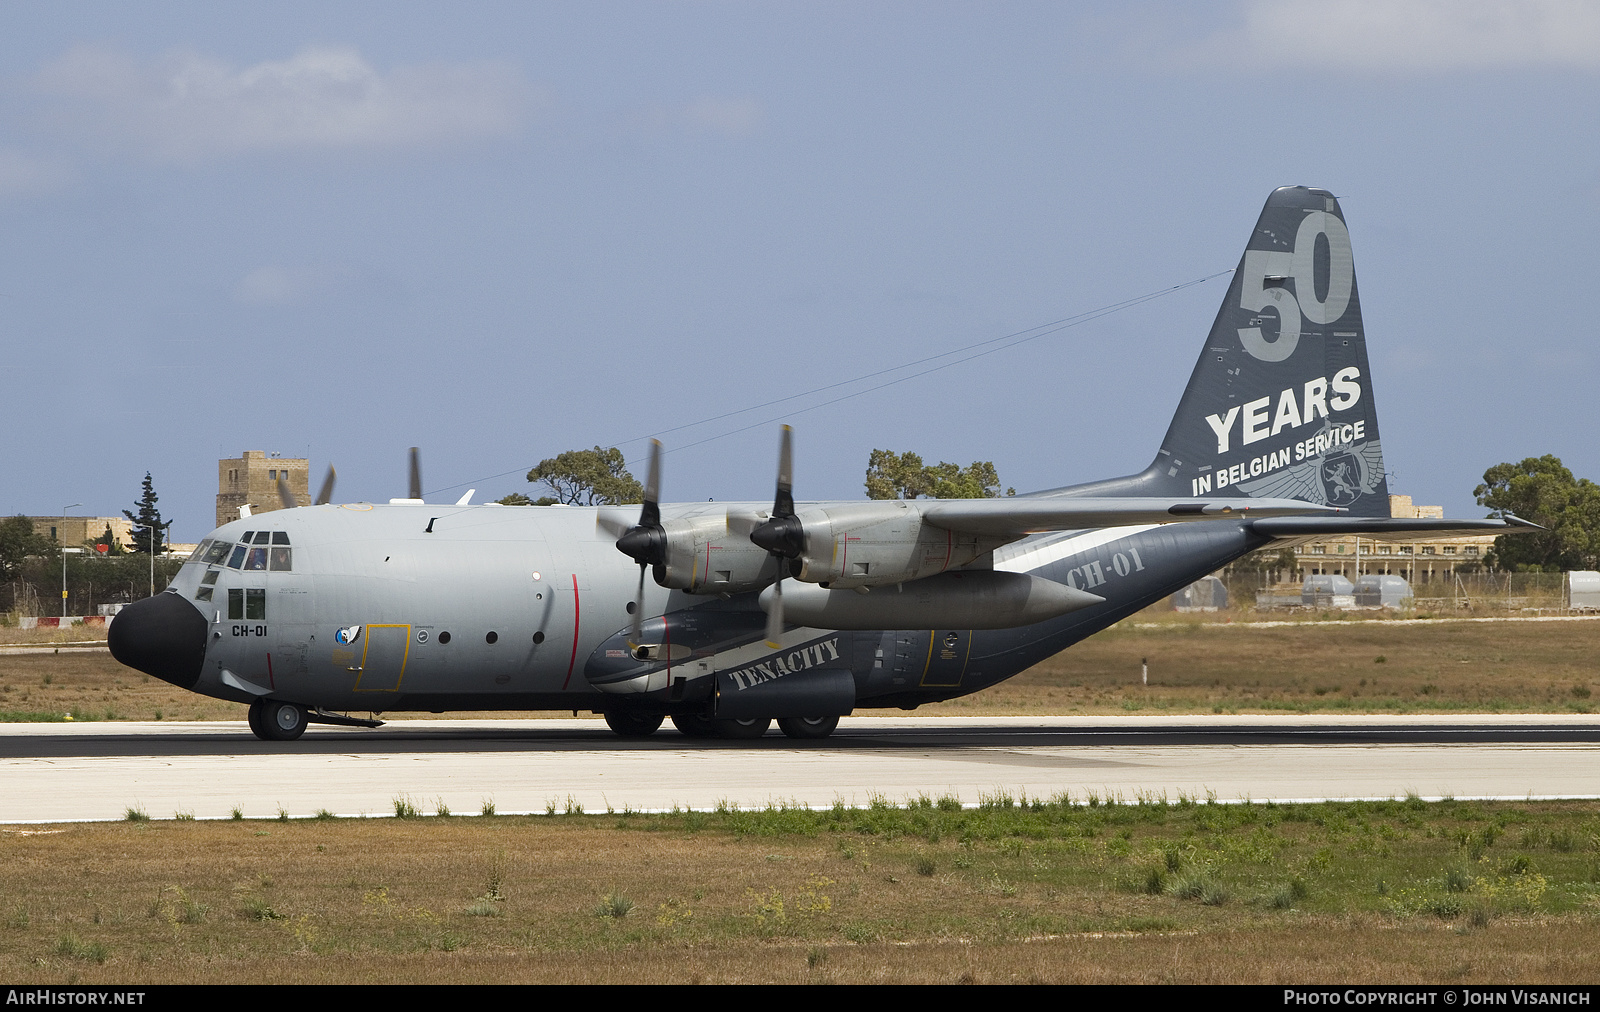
(575, 625)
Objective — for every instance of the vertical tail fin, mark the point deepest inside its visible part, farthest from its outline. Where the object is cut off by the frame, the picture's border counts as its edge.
(1280, 403)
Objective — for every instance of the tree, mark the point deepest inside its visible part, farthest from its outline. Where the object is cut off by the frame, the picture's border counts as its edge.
(1544, 491)
(17, 542)
(893, 475)
(149, 530)
(518, 499)
(594, 477)
(109, 541)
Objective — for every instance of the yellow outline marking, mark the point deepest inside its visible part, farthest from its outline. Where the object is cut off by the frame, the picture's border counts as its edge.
(366, 634)
(962, 673)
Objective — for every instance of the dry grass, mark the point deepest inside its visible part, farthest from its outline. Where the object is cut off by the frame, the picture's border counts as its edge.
(1015, 893)
(1196, 666)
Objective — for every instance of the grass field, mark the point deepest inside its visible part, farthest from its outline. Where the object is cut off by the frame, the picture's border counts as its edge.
(1015, 890)
(1196, 666)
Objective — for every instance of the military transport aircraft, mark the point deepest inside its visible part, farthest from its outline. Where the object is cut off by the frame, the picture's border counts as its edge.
(798, 612)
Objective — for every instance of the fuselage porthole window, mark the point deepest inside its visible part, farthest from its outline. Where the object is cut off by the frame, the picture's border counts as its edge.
(493, 636)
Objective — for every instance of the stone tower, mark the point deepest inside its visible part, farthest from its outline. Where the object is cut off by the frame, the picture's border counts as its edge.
(253, 479)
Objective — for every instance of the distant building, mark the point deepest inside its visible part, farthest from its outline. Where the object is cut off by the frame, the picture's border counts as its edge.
(73, 532)
(252, 480)
(1421, 561)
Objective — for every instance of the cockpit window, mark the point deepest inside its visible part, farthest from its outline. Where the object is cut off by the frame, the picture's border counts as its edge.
(280, 538)
(256, 561)
(237, 558)
(281, 560)
(214, 554)
(199, 550)
(262, 537)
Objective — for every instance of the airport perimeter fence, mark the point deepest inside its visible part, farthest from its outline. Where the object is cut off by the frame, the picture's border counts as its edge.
(91, 582)
(1446, 593)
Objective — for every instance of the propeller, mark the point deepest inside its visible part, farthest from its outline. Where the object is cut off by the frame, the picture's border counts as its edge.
(784, 536)
(286, 497)
(326, 493)
(416, 475)
(646, 542)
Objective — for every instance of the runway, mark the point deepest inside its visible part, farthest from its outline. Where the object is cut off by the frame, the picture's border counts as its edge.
(68, 772)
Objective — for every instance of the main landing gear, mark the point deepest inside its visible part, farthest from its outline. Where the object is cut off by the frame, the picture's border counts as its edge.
(694, 725)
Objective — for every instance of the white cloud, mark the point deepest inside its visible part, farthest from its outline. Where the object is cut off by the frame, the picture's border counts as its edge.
(1411, 36)
(186, 107)
(22, 174)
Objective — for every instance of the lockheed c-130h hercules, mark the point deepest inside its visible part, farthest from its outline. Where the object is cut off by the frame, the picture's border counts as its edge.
(798, 612)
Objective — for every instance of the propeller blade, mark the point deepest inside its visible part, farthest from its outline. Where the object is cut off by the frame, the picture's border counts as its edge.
(645, 542)
(326, 494)
(615, 520)
(783, 503)
(650, 515)
(285, 496)
(416, 475)
(775, 614)
(637, 632)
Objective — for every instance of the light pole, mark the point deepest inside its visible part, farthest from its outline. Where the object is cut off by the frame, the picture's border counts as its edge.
(62, 541)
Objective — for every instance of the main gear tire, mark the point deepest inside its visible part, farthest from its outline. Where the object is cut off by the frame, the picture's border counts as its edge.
(753, 727)
(693, 725)
(808, 728)
(633, 723)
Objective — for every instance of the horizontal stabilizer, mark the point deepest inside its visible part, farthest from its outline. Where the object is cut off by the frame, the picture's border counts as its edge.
(1018, 517)
(1386, 528)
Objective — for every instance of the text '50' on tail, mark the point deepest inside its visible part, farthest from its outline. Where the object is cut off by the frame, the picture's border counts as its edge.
(1280, 404)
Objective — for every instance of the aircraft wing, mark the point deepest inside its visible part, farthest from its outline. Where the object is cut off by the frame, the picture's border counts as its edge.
(1015, 518)
(1387, 528)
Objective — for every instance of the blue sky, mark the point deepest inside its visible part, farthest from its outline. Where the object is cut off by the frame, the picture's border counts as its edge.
(503, 231)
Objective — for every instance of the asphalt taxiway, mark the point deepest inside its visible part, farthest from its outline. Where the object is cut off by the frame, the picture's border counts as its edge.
(61, 772)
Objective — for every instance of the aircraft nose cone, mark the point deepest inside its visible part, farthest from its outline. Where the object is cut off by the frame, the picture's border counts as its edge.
(164, 636)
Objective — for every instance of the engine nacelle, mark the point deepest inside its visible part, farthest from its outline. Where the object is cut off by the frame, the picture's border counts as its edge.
(702, 556)
(879, 543)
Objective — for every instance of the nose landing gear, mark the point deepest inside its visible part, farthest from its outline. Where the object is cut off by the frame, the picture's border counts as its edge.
(276, 720)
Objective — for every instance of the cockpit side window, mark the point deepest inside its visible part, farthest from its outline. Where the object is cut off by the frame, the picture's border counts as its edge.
(217, 551)
(199, 550)
(237, 559)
